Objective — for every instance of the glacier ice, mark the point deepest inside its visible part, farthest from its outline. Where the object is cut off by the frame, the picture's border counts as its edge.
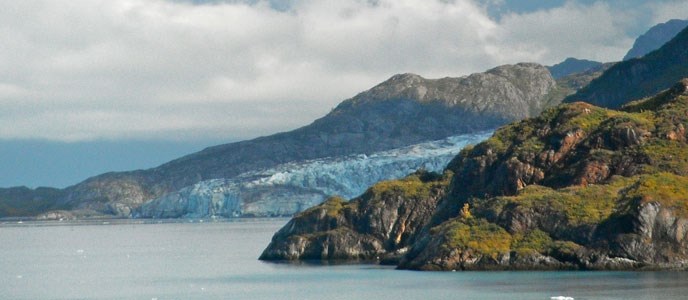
(293, 187)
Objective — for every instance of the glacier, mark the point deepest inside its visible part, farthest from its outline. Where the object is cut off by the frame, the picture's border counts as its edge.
(293, 187)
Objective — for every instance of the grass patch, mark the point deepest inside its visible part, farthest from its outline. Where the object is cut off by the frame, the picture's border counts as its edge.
(579, 204)
(669, 190)
(532, 241)
(477, 235)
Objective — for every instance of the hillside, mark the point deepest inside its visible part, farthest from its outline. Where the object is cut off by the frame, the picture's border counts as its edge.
(404, 110)
(578, 187)
(638, 78)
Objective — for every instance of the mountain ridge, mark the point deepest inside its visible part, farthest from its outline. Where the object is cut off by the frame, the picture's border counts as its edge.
(365, 123)
(572, 65)
(638, 78)
(655, 37)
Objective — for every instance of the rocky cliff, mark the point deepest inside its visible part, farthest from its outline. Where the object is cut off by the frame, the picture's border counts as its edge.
(578, 187)
(380, 224)
(404, 110)
(638, 78)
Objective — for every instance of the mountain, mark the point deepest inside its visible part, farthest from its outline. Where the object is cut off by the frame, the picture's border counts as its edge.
(572, 65)
(290, 188)
(404, 110)
(23, 201)
(638, 78)
(655, 37)
(578, 187)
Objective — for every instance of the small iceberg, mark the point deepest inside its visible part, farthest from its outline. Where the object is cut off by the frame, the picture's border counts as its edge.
(561, 298)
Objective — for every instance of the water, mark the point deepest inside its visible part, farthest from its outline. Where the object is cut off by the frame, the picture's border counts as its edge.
(218, 261)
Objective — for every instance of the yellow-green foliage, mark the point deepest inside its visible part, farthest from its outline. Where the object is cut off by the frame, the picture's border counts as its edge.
(588, 118)
(582, 116)
(579, 204)
(465, 212)
(506, 136)
(477, 235)
(668, 189)
(521, 137)
(665, 155)
(533, 241)
(411, 186)
(565, 248)
(334, 205)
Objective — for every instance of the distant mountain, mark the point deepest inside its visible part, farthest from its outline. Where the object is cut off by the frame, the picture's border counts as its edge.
(655, 37)
(572, 65)
(638, 78)
(23, 201)
(569, 84)
(578, 187)
(404, 110)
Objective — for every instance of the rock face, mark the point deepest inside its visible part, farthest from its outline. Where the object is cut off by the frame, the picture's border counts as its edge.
(572, 66)
(290, 188)
(638, 78)
(380, 224)
(655, 37)
(579, 187)
(404, 110)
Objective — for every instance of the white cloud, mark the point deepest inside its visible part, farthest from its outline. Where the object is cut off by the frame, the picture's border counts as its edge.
(675, 9)
(118, 69)
(595, 31)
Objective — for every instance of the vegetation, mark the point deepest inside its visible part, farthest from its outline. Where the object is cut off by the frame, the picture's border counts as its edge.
(535, 241)
(577, 204)
(415, 186)
(669, 190)
(477, 235)
(333, 205)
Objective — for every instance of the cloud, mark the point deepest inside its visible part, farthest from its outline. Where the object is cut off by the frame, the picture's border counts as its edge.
(676, 9)
(596, 31)
(134, 69)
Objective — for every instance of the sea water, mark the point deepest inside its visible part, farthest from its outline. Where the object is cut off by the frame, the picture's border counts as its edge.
(218, 260)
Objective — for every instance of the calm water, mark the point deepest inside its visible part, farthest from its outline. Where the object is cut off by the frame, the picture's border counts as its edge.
(218, 261)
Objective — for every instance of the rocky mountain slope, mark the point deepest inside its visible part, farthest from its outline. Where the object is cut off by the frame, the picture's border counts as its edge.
(655, 37)
(571, 66)
(404, 110)
(638, 78)
(578, 187)
(290, 188)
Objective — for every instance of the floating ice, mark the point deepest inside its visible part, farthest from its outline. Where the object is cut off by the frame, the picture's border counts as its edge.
(561, 298)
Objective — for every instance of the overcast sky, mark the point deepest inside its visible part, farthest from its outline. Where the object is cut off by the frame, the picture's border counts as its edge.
(192, 71)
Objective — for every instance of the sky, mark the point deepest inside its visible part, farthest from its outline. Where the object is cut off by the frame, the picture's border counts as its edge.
(89, 86)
